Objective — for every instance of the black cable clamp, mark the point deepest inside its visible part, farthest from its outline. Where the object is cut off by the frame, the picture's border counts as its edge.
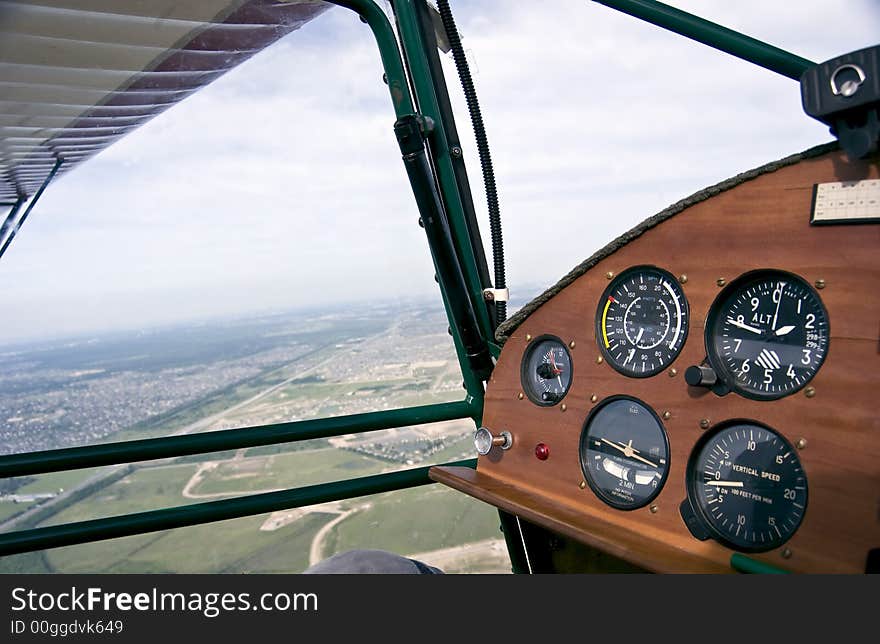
(411, 131)
(844, 93)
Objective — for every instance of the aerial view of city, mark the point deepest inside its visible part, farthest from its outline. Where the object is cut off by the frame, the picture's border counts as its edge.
(239, 373)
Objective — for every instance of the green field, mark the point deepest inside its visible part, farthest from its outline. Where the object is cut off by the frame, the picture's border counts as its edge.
(235, 546)
(417, 520)
(55, 481)
(408, 521)
(147, 488)
(43, 484)
(229, 546)
(8, 508)
(269, 450)
(287, 470)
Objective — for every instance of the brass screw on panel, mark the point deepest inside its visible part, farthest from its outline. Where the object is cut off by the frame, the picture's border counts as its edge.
(571, 345)
(820, 284)
(528, 337)
(582, 484)
(609, 275)
(704, 423)
(563, 407)
(673, 372)
(786, 553)
(683, 278)
(809, 392)
(654, 509)
(594, 398)
(599, 360)
(801, 443)
(666, 415)
(721, 281)
(520, 395)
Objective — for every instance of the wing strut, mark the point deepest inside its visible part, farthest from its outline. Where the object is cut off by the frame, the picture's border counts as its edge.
(8, 223)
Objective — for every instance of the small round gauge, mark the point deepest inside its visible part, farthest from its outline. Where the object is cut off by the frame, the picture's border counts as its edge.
(746, 487)
(546, 370)
(642, 321)
(624, 452)
(767, 334)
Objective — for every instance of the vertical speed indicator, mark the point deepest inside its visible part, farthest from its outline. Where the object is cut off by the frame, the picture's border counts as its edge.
(642, 321)
(746, 487)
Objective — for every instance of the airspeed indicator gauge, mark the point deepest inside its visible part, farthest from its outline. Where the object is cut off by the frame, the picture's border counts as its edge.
(642, 321)
(545, 372)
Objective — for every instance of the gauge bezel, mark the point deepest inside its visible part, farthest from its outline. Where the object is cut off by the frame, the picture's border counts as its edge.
(597, 324)
(526, 356)
(717, 363)
(597, 490)
(692, 482)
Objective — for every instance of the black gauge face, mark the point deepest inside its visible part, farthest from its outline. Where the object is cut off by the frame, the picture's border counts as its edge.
(767, 334)
(746, 485)
(642, 321)
(624, 452)
(546, 371)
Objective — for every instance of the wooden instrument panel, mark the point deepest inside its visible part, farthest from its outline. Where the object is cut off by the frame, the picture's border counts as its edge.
(761, 222)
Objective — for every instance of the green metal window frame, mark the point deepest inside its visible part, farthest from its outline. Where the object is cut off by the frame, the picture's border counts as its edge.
(408, 98)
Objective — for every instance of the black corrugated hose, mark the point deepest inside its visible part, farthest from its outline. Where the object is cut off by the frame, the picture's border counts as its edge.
(470, 95)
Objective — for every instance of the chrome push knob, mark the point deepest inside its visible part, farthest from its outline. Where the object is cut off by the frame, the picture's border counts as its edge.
(484, 440)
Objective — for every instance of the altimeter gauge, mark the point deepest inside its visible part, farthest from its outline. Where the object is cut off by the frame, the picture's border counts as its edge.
(624, 452)
(767, 334)
(545, 372)
(746, 487)
(642, 321)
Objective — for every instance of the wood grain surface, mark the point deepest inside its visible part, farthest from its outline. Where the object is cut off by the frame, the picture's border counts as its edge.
(762, 223)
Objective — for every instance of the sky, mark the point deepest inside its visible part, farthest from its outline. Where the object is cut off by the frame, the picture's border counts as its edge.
(280, 185)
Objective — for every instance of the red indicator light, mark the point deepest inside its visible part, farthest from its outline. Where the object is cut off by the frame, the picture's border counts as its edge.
(542, 452)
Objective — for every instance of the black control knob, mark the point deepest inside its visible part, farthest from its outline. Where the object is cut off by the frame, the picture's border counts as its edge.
(545, 371)
(700, 376)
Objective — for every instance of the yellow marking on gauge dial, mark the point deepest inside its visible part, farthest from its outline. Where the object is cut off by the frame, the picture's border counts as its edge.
(604, 318)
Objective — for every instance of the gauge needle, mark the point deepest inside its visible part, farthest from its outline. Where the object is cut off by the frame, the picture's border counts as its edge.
(632, 454)
(628, 451)
(614, 445)
(632, 352)
(785, 330)
(779, 290)
(639, 336)
(743, 325)
(725, 483)
(556, 369)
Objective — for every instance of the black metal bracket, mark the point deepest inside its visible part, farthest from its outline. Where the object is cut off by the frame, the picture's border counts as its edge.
(411, 130)
(844, 93)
